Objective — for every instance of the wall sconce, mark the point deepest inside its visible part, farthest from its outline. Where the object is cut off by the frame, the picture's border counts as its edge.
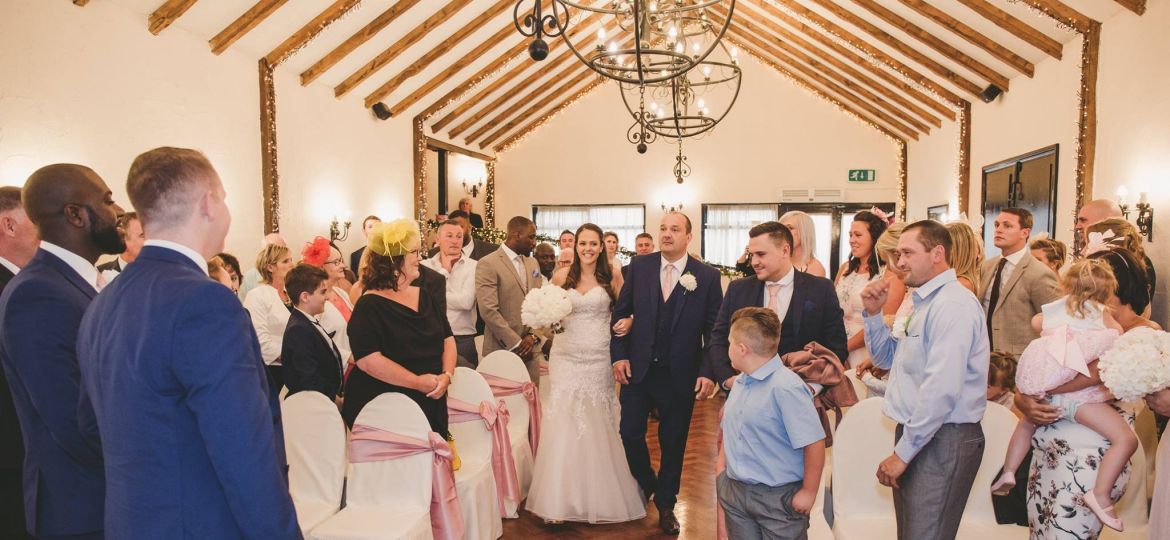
(675, 208)
(474, 188)
(1145, 217)
(1122, 192)
(338, 231)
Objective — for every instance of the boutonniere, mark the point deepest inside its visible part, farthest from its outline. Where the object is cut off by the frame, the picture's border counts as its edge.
(902, 326)
(535, 274)
(688, 282)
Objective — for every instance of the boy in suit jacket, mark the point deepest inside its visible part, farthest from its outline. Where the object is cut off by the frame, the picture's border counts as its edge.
(310, 359)
(806, 305)
(40, 311)
(172, 366)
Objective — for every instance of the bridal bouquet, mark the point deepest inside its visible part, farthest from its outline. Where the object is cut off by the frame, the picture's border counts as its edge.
(546, 307)
(1138, 364)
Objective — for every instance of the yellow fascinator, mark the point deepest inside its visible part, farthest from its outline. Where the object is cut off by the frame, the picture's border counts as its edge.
(394, 238)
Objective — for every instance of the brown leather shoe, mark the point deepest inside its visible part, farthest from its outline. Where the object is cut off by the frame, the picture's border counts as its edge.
(668, 523)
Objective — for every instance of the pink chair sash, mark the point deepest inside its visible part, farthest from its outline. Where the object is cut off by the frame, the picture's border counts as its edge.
(496, 421)
(502, 387)
(368, 444)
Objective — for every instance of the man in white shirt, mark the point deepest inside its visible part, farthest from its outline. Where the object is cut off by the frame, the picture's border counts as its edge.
(134, 237)
(454, 262)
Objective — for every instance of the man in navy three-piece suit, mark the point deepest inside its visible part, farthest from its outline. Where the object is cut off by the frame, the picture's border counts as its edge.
(172, 366)
(807, 305)
(674, 299)
(40, 311)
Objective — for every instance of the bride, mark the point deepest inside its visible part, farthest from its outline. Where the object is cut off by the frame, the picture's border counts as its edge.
(581, 472)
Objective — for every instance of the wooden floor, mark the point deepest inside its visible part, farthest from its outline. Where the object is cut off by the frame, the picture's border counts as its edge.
(696, 500)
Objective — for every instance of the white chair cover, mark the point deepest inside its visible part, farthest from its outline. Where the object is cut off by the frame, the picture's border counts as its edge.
(387, 499)
(858, 386)
(507, 365)
(818, 527)
(979, 515)
(314, 441)
(474, 481)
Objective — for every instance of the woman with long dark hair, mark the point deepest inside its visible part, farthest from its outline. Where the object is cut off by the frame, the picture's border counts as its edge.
(863, 266)
(580, 444)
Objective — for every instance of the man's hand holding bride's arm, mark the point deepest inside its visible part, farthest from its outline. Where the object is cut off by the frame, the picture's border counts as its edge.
(705, 389)
(621, 371)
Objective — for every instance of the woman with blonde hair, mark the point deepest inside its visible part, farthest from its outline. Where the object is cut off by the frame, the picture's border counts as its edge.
(966, 254)
(1049, 251)
(1118, 233)
(804, 242)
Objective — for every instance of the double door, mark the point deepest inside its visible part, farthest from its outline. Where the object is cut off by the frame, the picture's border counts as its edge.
(1028, 182)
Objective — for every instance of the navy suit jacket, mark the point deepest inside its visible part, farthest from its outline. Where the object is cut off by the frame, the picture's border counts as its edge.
(40, 312)
(694, 317)
(11, 448)
(173, 368)
(309, 361)
(814, 314)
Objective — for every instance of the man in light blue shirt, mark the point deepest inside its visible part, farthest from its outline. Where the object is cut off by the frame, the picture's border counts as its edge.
(937, 390)
(772, 437)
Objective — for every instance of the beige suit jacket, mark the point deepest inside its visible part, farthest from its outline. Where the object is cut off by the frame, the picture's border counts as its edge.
(1031, 285)
(499, 293)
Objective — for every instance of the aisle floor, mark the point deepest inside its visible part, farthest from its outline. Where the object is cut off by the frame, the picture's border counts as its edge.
(696, 500)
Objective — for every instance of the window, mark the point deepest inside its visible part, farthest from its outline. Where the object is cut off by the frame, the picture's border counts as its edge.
(627, 220)
(725, 229)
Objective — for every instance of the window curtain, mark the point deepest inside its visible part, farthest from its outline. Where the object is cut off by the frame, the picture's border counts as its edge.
(627, 221)
(725, 231)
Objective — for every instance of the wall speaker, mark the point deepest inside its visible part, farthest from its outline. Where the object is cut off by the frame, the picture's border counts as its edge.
(381, 111)
(990, 93)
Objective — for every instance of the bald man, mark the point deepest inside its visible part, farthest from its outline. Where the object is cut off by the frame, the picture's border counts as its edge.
(40, 313)
(1098, 210)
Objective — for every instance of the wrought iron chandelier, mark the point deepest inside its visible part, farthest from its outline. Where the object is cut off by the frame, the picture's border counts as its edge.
(665, 38)
(682, 107)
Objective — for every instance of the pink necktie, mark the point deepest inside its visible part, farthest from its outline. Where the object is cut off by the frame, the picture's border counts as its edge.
(668, 282)
(101, 281)
(774, 297)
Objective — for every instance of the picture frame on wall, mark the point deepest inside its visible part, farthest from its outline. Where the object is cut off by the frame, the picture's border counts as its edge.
(938, 212)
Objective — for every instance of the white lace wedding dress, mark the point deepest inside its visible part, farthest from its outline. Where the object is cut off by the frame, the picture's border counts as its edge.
(581, 472)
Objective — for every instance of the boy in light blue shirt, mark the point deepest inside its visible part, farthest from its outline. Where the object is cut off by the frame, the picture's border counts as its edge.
(772, 437)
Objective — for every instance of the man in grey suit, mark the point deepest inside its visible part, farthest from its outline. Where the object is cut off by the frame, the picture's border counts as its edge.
(502, 278)
(1014, 285)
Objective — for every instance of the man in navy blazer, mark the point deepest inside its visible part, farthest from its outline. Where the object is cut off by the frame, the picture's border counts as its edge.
(172, 366)
(40, 312)
(674, 299)
(807, 304)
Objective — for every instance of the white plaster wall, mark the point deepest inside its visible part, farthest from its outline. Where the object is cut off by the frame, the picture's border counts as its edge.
(93, 86)
(776, 136)
(932, 165)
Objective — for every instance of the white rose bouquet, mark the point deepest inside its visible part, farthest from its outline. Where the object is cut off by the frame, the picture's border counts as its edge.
(1138, 364)
(545, 308)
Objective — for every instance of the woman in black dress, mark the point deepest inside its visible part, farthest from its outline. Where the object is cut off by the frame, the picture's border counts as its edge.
(402, 343)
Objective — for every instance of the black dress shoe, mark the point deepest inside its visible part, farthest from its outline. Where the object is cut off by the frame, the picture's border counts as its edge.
(668, 523)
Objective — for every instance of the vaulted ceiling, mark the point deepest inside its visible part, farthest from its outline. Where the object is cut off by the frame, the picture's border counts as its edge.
(905, 66)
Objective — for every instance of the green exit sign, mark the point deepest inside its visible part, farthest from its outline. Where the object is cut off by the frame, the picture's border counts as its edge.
(862, 175)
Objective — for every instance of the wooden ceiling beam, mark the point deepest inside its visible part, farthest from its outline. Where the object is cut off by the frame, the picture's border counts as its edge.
(1136, 6)
(458, 65)
(786, 40)
(309, 31)
(534, 105)
(441, 49)
(972, 36)
(761, 46)
(353, 42)
(948, 51)
(167, 14)
(535, 124)
(849, 54)
(81, 3)
(791, 55)
(896, 44)
(398, 47)
(804, 83)
(862, 45)
(500, 81)
(1062, 13)
(1018, 28)
(244, 24)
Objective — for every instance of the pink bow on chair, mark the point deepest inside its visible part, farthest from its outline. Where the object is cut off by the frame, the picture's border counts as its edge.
(502, 387)
(368, 444)
(496, 421)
